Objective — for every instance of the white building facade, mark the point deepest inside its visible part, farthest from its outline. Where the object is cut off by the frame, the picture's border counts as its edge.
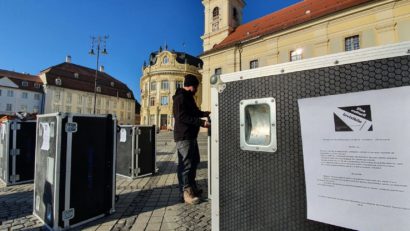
(20, 93)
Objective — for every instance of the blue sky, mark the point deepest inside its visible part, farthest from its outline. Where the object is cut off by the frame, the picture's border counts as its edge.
(36, 34)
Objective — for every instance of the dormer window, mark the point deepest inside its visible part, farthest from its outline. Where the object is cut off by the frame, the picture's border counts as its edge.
(98, 89)
(129, 94)
(24, 83)
(76, 75)
(37, 85)
(58, 82)
(165, 60)
(112, 84)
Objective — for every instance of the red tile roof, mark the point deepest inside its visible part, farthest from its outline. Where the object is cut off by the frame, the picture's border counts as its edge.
(85, 81)
(18, 78)
(286, 18)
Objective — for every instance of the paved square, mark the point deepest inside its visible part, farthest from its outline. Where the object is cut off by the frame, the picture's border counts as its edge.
(147, 203)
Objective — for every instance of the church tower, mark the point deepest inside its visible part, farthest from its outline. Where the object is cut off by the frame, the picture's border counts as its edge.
(221, 18)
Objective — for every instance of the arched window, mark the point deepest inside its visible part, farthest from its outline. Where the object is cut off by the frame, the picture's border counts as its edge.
(235, 14)
(215, 12)
(166, 60)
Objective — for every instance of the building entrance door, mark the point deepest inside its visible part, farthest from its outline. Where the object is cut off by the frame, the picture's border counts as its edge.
(163, 124)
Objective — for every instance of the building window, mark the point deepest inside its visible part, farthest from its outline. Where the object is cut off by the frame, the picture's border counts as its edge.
(23, 108)
(90, 100)
(98, 111)
(37, 85)
(9, 107)
(122, 105)
(152, 120)
(114, 105)
(37, 96)
(215, 13)
(10, 93)
(80, 100)
(107, 103)
(57, 96)
(24, 84)
(165, 60)
(35, 109)
(56, 108)
(68, 108)
(254, 64)
(129, 94)
(164, 100)
(235, 14)
(215, 26)
(128, 116)
(164, 85)
(79, 109)
(152, 101)
(98, 89)
(76, 75)
(98, 102)
(68, 98)
(218, 71)
(24, 95)
(58, 82)
(296, 55)
(121, 115)
(112, 84)
(179, 84)
(352, 43)
(153, 86)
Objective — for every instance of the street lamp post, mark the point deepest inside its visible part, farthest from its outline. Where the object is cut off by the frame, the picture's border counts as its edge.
(97, 41)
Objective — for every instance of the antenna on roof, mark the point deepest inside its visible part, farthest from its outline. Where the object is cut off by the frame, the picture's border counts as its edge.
(166, 45)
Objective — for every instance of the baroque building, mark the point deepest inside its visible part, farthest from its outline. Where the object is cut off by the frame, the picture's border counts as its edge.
(69, 87)
(163, 74)
(307, 29)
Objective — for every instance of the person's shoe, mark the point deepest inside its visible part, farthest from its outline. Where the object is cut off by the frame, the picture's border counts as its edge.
(198, 192)
(189, 197)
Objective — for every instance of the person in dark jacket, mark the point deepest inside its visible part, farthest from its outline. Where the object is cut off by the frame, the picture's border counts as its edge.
(187, 123)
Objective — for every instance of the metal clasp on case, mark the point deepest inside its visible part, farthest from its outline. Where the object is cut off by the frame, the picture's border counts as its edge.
(71, 127)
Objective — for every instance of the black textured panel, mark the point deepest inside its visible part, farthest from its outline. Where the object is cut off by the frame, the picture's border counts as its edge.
(266, 191)
(92, 167)
(26, 143)
(146, 142)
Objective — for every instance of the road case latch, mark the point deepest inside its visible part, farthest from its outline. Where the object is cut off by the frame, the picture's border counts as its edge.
(15, 126)
(14, 178)
(14, 152)
(71, 127)
(68, 214)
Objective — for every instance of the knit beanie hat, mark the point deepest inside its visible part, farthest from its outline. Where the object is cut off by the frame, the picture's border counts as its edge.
(191, 80)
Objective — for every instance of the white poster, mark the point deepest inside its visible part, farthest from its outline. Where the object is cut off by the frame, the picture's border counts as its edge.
(123, 135)
(45, 145)
(356, 150)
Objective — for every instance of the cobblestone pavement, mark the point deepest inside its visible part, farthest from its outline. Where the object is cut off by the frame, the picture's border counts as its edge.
(147, 203)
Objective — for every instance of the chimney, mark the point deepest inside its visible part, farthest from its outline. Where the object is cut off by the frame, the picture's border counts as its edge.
(68, 59)
(101, 68)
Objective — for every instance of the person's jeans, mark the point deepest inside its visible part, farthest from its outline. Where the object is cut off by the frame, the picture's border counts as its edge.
(188, 160)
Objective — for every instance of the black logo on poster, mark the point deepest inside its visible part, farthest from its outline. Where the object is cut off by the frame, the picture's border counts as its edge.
(353, 119)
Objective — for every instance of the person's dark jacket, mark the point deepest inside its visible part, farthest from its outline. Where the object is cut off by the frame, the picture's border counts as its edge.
(187, 116)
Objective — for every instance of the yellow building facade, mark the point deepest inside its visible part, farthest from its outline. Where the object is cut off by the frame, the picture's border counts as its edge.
(161, 77)
(230, 46)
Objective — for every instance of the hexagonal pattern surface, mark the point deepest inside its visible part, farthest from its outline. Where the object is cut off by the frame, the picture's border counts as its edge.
(266, 191)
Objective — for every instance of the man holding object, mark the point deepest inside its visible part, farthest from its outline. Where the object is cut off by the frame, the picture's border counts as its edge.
(187, 123)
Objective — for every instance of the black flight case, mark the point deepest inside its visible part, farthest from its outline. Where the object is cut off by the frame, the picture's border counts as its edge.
(17, 142)
(75, 169)
(136, 154)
